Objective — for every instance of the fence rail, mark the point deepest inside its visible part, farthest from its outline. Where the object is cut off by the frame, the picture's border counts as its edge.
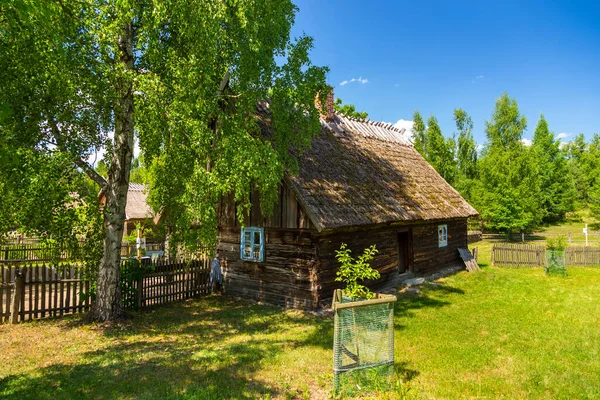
(37, 291)
(526, 255)
(38, 252)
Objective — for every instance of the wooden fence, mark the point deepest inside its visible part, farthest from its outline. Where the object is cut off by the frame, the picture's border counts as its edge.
(39, 291)
(527, 255)
(38, 252)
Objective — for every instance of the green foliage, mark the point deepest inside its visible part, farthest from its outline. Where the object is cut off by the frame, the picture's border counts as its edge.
(131, 271)
(440, 151)
(349, 110)
(196, 73)
(419, 136)
(556, 243)
(557, 192)
(506, 128)
(507, 195)
(466, 155)
(352, 271)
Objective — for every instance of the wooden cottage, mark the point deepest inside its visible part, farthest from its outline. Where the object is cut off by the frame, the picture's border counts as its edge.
(361, 183)
(137, 210)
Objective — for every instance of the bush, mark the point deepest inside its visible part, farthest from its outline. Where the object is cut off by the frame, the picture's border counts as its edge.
(351, 271)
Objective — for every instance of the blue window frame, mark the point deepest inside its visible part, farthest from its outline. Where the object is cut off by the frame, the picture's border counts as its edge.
(252, 244)
(442, 235)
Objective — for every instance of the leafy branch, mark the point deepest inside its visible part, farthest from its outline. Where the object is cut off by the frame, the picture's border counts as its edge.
(351, 271)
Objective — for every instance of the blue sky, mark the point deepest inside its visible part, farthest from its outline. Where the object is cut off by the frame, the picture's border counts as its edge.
(435, 56)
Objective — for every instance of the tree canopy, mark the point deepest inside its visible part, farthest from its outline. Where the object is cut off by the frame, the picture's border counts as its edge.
(184, 77)
(349, 110)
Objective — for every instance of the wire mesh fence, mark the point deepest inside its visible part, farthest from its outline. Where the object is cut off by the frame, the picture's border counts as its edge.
(363, 345)
(556, 262)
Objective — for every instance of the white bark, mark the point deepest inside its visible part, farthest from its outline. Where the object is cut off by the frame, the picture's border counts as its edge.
(108, 305)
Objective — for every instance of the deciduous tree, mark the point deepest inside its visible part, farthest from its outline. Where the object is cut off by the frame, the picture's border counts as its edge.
(349, 110)
(440, 151)
(508, 194)
(184, 76)
(557, 192)
(418, 129)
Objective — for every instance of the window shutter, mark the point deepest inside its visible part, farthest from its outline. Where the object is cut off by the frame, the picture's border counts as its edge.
(262, 245)
(242, 243)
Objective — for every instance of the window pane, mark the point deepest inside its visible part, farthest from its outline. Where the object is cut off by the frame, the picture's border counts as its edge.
(248, 251)
(256, 253)
(256, 237)
(248, 238)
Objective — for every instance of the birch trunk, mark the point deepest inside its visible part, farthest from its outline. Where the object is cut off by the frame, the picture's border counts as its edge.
(108, 305)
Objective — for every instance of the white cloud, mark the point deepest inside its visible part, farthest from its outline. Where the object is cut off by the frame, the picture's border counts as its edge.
(478, 77)
(562, 135)
(526, 142)
(360, 80)
(404, 124)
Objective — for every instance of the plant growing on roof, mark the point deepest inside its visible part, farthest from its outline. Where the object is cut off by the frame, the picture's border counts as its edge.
(352, 271)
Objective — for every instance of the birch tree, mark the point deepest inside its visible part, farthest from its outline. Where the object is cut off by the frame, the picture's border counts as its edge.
(183, 76)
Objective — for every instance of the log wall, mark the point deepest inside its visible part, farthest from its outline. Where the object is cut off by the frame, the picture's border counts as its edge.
(288, 275)
(428, 257)
(385, 261)
(299, 267)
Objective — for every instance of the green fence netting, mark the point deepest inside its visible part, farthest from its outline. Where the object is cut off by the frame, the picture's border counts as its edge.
(363, 344)
(556, 263)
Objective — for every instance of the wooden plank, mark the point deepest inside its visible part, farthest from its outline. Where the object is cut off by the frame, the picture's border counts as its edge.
(468, 259)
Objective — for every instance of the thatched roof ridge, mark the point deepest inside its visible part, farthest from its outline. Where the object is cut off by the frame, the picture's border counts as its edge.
(362, 172)
(367, 128)
(136, 207)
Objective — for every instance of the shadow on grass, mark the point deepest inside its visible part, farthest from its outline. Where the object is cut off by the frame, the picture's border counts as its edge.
(209, 348)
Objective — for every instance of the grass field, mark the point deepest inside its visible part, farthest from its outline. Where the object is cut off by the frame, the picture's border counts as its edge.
(499, 333)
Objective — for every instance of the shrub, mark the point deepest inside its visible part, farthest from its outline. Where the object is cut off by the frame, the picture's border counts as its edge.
(351, 271)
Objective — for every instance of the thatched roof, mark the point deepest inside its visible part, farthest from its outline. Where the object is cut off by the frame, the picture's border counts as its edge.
(136, 207)
(361, 173)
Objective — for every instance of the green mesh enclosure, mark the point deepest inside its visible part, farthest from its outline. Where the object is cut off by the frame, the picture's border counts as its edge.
(363, 344)
(556, 263)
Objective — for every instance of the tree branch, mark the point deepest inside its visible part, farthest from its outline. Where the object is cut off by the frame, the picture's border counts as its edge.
(96, 177)
(60, 144)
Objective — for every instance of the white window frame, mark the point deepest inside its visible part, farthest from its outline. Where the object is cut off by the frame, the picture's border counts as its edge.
(442, 235)
(250, 250)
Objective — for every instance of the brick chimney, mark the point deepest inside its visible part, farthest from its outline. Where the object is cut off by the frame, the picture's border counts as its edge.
(326, 114)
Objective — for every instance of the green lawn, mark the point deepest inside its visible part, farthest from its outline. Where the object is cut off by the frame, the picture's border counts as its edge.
(499, 333)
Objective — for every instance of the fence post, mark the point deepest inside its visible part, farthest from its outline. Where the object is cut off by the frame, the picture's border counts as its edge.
(493, 250)
(17, 297)
(140, 291)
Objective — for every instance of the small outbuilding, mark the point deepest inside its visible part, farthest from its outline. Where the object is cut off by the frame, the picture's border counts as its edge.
(361, 183)
(137, 210)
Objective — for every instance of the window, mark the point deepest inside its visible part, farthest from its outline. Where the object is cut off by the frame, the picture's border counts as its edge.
(442, 235)
(252, 244)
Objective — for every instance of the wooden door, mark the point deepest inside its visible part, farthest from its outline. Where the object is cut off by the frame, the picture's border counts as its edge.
(404, 252)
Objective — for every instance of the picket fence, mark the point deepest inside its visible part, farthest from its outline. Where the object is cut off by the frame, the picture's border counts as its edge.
(527, 255)
(35, 290)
